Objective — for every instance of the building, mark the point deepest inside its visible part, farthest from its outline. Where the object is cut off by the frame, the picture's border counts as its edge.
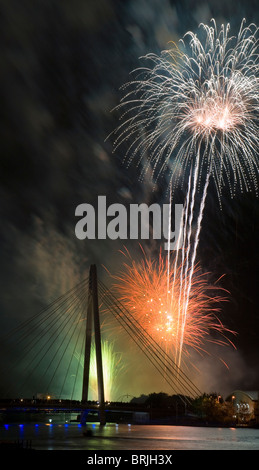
(246, 407)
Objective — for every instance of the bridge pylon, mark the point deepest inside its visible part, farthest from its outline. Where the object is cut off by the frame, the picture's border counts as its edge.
(93, 320)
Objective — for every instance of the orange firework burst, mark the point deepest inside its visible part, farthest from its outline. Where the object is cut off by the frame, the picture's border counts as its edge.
(158, 298)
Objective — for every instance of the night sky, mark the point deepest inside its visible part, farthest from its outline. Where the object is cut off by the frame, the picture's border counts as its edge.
(62, 66)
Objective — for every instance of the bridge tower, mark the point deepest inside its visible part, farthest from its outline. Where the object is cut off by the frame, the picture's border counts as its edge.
(93, 320)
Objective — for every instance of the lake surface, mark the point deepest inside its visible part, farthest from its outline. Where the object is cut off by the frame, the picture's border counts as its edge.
(69, 436)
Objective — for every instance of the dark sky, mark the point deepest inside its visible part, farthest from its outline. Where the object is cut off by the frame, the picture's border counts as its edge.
(62, 64)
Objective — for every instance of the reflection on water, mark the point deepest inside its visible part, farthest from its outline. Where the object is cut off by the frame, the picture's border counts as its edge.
(70, 436)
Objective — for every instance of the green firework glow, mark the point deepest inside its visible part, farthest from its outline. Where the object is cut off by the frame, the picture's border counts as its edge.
(112, 367)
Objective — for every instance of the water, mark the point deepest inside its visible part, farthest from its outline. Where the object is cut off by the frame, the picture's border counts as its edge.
(69, 436)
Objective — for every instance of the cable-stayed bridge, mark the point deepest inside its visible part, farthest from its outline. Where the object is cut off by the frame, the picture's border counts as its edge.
(52, 349)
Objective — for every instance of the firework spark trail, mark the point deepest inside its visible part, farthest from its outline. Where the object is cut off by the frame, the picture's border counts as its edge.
(169, 236)
(188, 258)
(190, 268)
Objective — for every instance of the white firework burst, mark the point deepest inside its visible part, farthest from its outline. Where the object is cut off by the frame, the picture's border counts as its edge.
(196, 107)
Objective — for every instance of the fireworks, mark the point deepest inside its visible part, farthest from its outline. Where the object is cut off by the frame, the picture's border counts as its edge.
(156, 296)
(192, 110)
(197, 105)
